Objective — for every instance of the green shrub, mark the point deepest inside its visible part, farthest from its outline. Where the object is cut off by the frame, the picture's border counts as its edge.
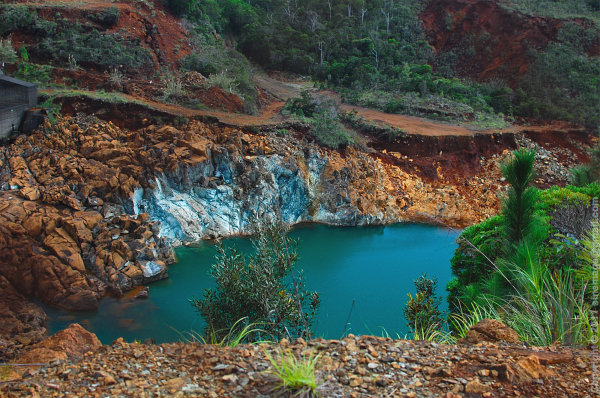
(553, 197)
(34, 73)
(226, 69)
(328, 130)
(304, 106)
(8, 55)
(422, 311)
(14, 17)
(477, 245)
(255, 287)
(222, 81)
(95, 47)
(52, 109)
(108, 16)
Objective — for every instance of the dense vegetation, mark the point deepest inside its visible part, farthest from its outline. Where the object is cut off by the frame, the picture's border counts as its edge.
(376, 53)
(324, 116)
(556, 9)
(373, 51)
(61, 38)
(531, 266)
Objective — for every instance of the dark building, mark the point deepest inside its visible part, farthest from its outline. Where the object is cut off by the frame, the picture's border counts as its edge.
(16, 96)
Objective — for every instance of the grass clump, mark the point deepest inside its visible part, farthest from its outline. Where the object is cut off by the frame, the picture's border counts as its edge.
(586, 174)
(173, 89)
(297, 376)
(224, 338)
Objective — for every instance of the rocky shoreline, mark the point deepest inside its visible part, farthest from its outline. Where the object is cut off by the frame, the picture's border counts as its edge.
(87, 208)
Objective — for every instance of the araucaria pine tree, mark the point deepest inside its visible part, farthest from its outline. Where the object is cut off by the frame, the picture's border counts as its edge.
(518, 206)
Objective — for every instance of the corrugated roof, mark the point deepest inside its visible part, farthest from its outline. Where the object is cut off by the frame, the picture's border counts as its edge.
(16, 81)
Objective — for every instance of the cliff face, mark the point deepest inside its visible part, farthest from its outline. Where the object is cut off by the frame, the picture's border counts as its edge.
(216, 182)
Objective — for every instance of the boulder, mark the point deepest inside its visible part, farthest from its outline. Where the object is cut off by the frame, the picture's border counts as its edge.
(71, 343)
(492, 331)
(153, 270)
(143, 293)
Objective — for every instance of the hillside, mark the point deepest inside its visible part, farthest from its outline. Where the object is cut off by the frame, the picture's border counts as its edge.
(172, 122)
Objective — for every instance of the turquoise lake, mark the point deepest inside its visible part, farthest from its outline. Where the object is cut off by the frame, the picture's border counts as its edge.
(372, 266)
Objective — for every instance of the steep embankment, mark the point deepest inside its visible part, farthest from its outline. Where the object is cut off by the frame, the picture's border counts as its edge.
(488, 41)
(133, 47)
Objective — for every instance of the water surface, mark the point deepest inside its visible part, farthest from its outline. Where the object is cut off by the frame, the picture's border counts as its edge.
(374, 267)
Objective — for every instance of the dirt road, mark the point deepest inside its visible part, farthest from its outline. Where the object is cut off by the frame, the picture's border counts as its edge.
(281, 91)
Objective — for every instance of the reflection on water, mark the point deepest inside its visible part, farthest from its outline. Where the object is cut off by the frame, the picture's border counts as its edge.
(371, 266)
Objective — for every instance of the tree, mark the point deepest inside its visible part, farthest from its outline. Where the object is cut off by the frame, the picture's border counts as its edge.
(255, 289)
(518, 206)
(312, 21)
(8, 55)
(422, 311)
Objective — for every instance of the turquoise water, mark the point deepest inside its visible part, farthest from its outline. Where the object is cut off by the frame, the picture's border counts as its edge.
(372, 266)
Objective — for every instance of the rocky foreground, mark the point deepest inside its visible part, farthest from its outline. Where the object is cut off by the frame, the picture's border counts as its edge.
(73, 363)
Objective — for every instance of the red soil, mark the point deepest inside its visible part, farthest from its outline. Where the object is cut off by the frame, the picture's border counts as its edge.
(217, 98)
(500, 38)
(154, 26)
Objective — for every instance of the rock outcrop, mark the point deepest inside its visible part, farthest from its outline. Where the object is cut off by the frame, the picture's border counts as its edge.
(19, 319)
(48, 252)
(204, 181)
(72, 342)
(200, 182)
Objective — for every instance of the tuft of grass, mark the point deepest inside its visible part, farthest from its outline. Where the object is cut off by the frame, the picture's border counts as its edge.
(114, 76)
(295, 375)
(234, 336)
(464, 320)
(430, 333)
(173, 88)
(6, 371)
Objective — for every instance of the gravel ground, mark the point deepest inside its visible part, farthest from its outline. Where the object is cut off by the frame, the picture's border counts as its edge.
(364, 366)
